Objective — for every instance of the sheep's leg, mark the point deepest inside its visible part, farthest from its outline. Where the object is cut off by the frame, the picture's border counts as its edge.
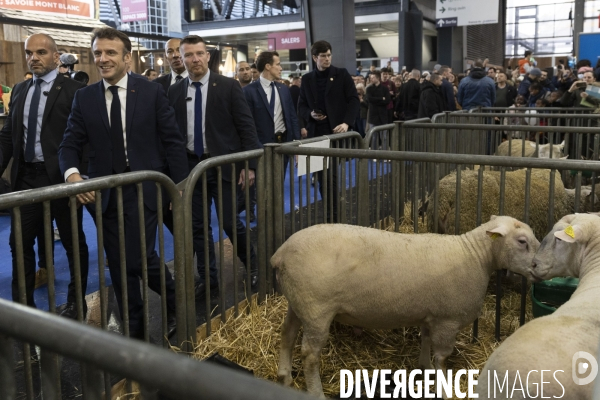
(289, 333)
(443, 339)
(425, 357)
(313, 340)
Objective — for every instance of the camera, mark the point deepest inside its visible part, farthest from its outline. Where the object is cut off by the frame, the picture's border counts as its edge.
(68, 60)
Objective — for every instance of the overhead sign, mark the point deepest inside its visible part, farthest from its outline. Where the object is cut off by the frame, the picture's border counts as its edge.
(466, 12)
(446, 22)
(287, 40)
(134, 10)
(71, 8)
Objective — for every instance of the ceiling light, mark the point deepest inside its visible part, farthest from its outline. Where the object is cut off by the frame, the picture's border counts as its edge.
(143, 59)
(383, 34)
(365, 29)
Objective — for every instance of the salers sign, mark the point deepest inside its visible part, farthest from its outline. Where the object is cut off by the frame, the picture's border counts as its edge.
(286, 40)
(72, 8)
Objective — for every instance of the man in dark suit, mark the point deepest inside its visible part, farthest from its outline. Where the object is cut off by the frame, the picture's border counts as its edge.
(328, 102)
(378, 97)
(129, 126)
(295, 92)
(214, 120)
(173, 57)
(39, 109)
(273, 110)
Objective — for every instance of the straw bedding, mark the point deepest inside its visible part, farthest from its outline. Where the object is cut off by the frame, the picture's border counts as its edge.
(253, 338)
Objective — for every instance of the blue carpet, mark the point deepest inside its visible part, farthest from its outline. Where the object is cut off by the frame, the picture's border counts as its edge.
(60, 258)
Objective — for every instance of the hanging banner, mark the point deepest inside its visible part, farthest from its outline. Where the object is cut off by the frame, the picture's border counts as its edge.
(71, 8)
(287, 40)
(134, 10)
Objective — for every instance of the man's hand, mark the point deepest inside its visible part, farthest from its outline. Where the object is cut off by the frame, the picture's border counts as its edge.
(83, 198)
(242, 180)
(584, 95)
(303, 133)
(318, 117)
(341, 128)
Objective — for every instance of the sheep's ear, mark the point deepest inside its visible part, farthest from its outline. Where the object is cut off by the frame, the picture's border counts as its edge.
(499, 231)
(564, 158)
(562, 144)
(570, 234)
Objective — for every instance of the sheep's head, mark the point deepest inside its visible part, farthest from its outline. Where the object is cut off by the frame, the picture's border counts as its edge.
(544, 150)
(514, 244)
(589, 200)
(562, 250)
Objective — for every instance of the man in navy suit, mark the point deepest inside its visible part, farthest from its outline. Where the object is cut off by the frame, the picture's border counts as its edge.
(129, 126)
(272, 108)
(328, 102)
(214, 120)
(173, 57)
(39, 109)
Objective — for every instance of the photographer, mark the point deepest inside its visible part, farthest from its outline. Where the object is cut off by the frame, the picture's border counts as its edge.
(563, 79)
(66, 68)
(576, 93)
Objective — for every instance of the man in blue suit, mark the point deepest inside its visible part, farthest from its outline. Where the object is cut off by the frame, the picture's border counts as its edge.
(129, 126)
(273, 110)
(214, 120)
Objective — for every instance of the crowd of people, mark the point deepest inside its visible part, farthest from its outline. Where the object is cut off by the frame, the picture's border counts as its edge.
(407, 95)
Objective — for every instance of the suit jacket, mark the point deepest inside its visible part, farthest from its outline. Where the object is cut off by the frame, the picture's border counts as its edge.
(54, 122)
(378, 98)
(150, 124)
(165, 81)
(263, 119)
(295, 92)
(341, 100)
(229, 124)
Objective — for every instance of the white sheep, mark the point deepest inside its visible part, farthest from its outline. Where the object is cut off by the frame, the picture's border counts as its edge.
(374, 279)
(572, 248)
(530, 149)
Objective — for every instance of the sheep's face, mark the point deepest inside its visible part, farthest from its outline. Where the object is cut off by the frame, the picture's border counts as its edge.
(562, 250)
(515, 244)
(545, 149)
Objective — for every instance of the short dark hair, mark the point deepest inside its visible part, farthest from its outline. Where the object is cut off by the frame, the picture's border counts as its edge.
(435, 77)
(253, 66)
(527, 53)
(191, 39)
(264, 58)
(443, 69)
(492, 68)
(535, 86)
(319, 47)
(148, 71)
(111, 34)
(385, 69)
(377, 74)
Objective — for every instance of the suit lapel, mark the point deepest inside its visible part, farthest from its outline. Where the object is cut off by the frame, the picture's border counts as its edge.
(101, 99)
(313, 89)
(330, 79)
(263, 96)
(182, 106)
(52, 96)
(19, 108)
(130, 107)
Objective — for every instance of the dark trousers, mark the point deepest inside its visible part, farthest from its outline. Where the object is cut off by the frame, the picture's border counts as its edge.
(332, 184)
(133, 255)
(32, 218)
(228, 219)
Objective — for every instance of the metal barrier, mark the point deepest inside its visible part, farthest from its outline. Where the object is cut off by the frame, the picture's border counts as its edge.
(45, 195)
(160, 372)
(201, 171)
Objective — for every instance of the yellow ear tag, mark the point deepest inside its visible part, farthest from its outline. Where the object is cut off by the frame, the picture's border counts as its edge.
(495, 236)
(569, 231)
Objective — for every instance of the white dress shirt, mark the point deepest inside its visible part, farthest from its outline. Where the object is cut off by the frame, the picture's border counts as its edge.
(190, 104)
(122, 84)
(45, 87)
(174, 74)
(278, 115)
